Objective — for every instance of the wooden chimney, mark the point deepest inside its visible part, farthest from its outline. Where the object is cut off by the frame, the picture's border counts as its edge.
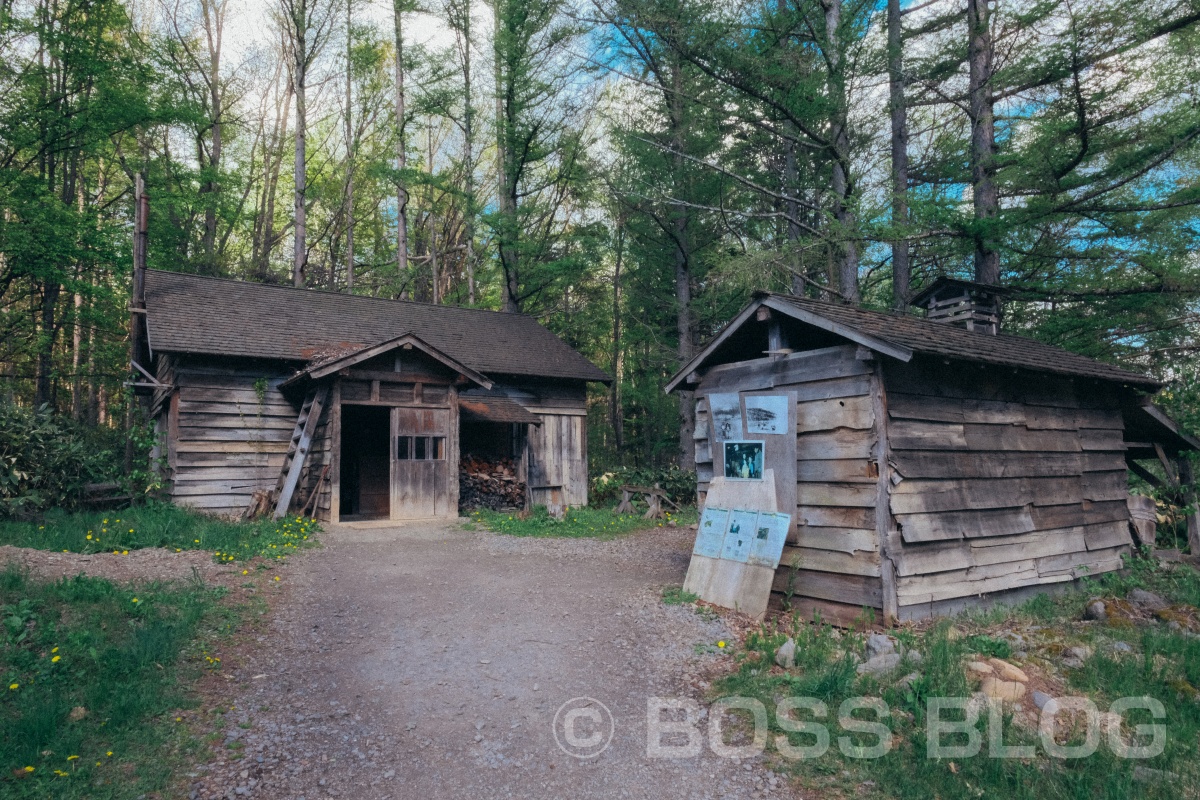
(970, 305)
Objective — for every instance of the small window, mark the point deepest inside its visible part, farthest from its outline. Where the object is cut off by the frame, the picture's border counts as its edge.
(420, 450)
(404, 448)
(438, 448)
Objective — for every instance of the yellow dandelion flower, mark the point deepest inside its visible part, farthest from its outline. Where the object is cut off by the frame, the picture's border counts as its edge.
(89, 536)
(720, 644)
(276, 577)
(136, 600)
(72, 758)
(124, 552)
(29, 769)
(12, 687)
(109, 754)
(55, 650)
(55, 659)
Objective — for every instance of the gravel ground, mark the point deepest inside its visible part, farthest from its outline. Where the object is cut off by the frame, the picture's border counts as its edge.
(149, 564)
(430, 662)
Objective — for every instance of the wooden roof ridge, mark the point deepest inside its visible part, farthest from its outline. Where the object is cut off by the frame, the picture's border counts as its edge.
(901, 336)
(327, 364)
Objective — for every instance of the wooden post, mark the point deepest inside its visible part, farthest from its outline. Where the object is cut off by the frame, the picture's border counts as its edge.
(1187, 482)
(137, 305)
(884, 529)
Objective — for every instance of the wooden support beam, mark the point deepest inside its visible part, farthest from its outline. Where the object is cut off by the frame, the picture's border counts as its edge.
(1187, 479)
(1145, 474)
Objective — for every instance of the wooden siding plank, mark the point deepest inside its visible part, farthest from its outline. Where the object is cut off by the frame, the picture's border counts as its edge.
(841, 540)
(864, 563)
(856, 590)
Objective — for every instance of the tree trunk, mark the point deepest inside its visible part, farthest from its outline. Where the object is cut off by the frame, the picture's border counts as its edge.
(506, 179)
(349, 204)
(214, 25)
(300, 171)
(468, 153)
(435, 279)
(401, 155)
(983, 141)
(901, 270)
(685, 325)
(847, 221)
(616, 411)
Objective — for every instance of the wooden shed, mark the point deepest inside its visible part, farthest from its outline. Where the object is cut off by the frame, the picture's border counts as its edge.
(362, 405)
(935, 463)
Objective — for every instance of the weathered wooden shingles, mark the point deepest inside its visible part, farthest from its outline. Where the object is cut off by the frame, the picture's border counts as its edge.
(831, 564)
(1001, 480)
(193, 314)
(933, 338)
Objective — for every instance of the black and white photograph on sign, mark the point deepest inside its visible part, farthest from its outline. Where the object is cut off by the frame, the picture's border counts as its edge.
(767, 413)
(726, 411)
(744, 461)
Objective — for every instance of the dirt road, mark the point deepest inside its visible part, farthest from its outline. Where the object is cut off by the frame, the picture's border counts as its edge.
(430, 662)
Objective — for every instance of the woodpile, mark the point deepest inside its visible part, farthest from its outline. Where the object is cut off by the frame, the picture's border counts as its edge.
(491, 485)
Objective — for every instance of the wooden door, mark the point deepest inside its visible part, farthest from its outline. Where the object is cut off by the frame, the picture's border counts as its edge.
(421, 463)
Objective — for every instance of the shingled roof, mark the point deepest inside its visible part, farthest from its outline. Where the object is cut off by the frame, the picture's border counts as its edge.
(214, 316)
(901, 336)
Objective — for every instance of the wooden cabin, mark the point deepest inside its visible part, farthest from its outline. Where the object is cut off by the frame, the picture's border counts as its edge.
(936, 464)
(354, 407)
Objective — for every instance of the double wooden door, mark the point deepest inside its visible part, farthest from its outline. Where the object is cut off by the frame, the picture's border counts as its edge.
(422, 464)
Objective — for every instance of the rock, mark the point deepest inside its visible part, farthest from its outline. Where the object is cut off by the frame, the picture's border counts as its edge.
(77, 713)
(1121, 647)
(1040, 699)
(1148, 600)
(978, 702)
(1080, 652)
(879, 665)
(879, 644)
(1007, 671)
(915, 656)
(979, 670)
(1095, 611)
(1072, 663)
(907, 680)
(1007, 691)
(785, 656)
(1148, 775)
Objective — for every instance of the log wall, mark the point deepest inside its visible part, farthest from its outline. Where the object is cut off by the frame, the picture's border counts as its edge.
(831, 564)
(228, 430)
(1001, 480)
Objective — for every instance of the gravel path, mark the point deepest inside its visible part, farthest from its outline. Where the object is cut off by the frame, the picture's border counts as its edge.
(429, 662)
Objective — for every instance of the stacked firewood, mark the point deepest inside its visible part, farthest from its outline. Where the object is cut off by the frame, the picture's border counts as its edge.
(489, 484)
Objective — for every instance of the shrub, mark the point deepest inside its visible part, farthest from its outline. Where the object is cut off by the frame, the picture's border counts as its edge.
(46, 459)
(679, 484)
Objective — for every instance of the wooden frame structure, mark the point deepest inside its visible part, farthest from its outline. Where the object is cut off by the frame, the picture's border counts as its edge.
(930, 468)
(245, 405)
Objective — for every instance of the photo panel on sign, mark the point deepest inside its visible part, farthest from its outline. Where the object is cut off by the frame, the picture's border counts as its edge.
(770, 535)
(726, 413)
(710, 533)
(739, 538)
(743, 460)
(767, 414)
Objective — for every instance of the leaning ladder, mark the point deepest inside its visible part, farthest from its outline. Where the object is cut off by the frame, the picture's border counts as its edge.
(293, 462)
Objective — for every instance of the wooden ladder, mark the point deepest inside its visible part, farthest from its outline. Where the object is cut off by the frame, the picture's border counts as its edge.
(297, 454)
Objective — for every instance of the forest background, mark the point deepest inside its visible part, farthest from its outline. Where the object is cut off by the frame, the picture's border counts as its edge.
(625, 171)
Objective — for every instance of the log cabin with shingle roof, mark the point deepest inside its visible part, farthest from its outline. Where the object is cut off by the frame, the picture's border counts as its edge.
(929, 464)
(352, 407)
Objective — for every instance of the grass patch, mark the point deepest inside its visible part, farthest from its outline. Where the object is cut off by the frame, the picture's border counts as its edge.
(93, 683)
(579, 523)
(1146, 660)
(160, 525)
(676, 596)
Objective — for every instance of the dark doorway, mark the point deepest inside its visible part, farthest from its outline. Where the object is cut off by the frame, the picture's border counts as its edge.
(365, 462)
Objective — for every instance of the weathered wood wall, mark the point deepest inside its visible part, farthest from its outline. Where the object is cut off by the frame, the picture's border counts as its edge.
(1001, 480)
(228, 430)
(831, 564)
(556, 467)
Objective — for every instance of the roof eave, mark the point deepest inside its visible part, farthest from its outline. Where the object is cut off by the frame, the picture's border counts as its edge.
(770, 301)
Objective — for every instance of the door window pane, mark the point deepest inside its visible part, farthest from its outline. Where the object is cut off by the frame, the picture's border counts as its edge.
(403, 448)
(419, 452)
(438, 450)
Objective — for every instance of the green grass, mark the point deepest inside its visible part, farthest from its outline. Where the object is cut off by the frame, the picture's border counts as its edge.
(676, 596)
(579, 523)
(159, 525)
(94, 679)
(1164, 665)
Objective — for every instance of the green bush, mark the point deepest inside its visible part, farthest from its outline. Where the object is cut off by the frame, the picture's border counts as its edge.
(679, 484)
(46, 459)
